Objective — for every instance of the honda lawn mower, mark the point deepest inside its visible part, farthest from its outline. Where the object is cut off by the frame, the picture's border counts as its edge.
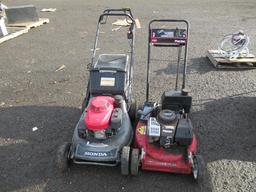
(164, 138)
(104, 131)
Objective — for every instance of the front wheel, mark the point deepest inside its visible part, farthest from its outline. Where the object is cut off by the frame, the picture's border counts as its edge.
(125, 160)
(198, 170)
(62, 157)
(135, 162)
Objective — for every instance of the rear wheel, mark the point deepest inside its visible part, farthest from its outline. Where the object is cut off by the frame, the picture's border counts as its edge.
(63, 160)
(125, 160)
(135, 162)
(198, 170)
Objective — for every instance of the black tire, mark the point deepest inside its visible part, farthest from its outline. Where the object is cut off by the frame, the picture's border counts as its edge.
(125, 160)
(198, 170)
(135, 162)
(132, 110)
(63, 160)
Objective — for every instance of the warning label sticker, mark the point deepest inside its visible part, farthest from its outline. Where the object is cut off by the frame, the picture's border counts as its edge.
(107, 81)
(141, 130)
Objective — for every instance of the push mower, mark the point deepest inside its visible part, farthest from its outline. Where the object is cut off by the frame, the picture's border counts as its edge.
(164, 138)
(104, 131)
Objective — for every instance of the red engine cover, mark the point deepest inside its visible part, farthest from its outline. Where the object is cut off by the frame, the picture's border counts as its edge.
(99, 113)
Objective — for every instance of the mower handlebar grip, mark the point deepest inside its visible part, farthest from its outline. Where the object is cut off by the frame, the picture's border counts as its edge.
(116, 14)
(124, 10)
(170, 21)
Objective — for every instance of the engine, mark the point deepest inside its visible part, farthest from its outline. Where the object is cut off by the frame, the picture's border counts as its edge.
(162, 128)
(169, 128)
(103, 117)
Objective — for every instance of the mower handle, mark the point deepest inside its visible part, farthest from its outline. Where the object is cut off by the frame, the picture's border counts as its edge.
(131, 31)
(170, 21)
(123, 10)
(185, 53)
(114, 15)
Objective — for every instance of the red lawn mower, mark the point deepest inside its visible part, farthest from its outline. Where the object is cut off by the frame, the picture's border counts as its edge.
(164, 138)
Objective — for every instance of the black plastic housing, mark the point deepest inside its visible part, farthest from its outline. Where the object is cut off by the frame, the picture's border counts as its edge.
(184, 134)
(116, 118)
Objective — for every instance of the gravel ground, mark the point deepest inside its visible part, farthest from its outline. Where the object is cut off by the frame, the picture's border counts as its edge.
(32, 94)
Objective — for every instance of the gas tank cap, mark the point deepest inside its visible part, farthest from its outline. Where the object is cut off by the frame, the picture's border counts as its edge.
(184, 92)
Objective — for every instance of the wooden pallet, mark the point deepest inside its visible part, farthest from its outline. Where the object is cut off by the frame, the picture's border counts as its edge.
(16, 30)
(31, 25)
(13, 32)
(221, 62)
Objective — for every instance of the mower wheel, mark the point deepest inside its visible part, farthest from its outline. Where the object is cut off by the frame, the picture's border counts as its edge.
(62, 157)
(198, 170)
(125, 160)
(133, 110)
(135, 162)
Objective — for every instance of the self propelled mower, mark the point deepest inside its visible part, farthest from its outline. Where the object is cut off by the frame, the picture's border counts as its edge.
(104, 131)
(164, 138)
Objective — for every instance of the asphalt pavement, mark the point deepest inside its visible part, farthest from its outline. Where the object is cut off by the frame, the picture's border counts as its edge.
(33, 94)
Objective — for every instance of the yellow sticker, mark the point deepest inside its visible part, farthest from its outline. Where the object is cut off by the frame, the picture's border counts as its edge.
(141, 130)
